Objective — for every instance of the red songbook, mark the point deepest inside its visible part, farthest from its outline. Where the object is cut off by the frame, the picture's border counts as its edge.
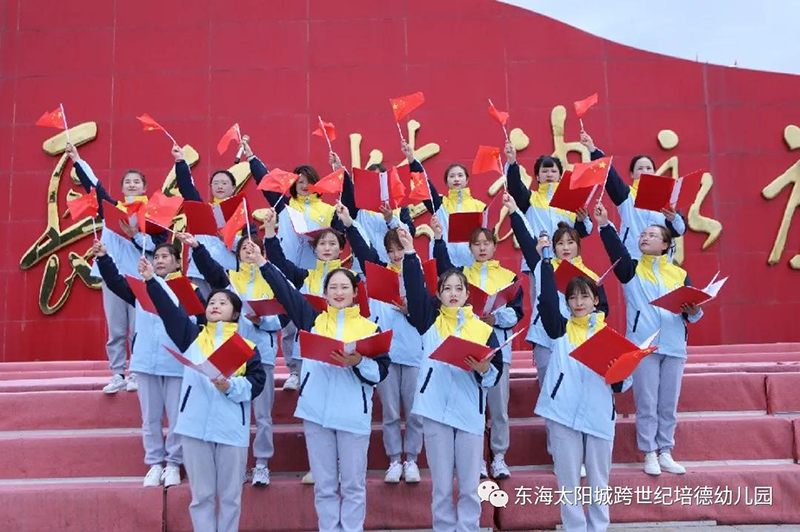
(371, 188)
(659, 192)
(431, 276)
(223, 362)
(184, 291)
(318, 303)
(200, 219)
(455, 350)
(608, 347)
(300, 224)
(460, 225)
(266, 307)
(113, 215)
(565, 272)
(484, 304)
(689, 295)
(571, 199)
(319, 348)
(383, 284)
(139, 289)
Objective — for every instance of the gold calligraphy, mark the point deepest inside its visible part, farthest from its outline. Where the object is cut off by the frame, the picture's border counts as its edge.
(790, 177)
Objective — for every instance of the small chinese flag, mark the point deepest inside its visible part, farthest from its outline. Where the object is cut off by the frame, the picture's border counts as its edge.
(84, 206)
(54, 119)
(330, 184)
(500, 116)
(234, 224)
(278, 181)
(161, 210)
(582, 106)
(403, 105)
(397, 190)
(487, 159)
(330, 131)
(149, 124)
(229, 136)
(590, 174)
(419, 187)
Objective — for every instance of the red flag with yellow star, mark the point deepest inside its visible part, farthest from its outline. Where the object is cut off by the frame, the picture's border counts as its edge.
(397, 190)
(419, 188)
(160, 210)
(583, 105)
(487, 159)
(84, 206)
(330, 184)
(403, 105)
(590, 174)
(500, 116)
(330, 131)
(229, 136)
(54, 118)
(235, 224)
(278, 181)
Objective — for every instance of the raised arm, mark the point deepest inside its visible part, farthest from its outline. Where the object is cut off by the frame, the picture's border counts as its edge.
(275, 255)
(517, 189)
(209, 268)
(297, 307)
(625, 269)
(617, 190)
(408, 221)
(421, 309)
(527, 242)
(363, 251)
(179, 326)
(603, 305)
(442, 256)
(183, 175)
(555, 325)
(89, 180)
(111, 276)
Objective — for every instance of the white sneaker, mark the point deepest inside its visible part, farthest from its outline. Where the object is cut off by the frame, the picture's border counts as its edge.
(484, 472)
(651, 466)
(171, 476)
(411, 472)
(132, 383)
(153, 477)
(669, 465)
(260, 475)
(116, 383)
(308, 478)
(292, 383)
(583, 471)
(394, 473)
(499, 468)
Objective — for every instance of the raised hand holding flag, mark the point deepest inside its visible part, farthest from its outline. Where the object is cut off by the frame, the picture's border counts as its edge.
(500, 116)
(327, 130)
(583, 105)
(56, 118)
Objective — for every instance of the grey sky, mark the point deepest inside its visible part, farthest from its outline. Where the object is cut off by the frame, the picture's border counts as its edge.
(762, 35)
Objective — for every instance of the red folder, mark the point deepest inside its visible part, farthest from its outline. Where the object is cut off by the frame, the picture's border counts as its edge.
(224, 361)
(139, 289)
(660, 192)
(113, 215)
(200, 218)
(184, 291)
(568, 199)
(371, 189)
(455, 350)
(460, 225)
(484, 304)
(318, 303)
(567, 271)
(266, 307)
(607, 346)
(383, 284)
(431, 276)
(689, 294)
(319, 348)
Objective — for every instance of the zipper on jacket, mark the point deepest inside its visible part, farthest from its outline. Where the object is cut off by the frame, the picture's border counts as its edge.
(185, 398)
(364, 398)
(272, 339)
(133, 341)
(613, 408)
(536, 319)
(480, 399)
(624, 238)
(636, 321)
(558, 385)
(303, 384)
(241, 405)
(427, 380)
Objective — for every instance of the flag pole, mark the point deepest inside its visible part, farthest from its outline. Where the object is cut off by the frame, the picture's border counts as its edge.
(402, 138)
(247, 220)
(501, 125)
(502, 172)
(325, 132)
(580, 119)
(94, 229)
(238, 133)
(64, 119)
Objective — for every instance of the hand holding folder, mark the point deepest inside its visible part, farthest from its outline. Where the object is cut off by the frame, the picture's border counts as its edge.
(455, 350)
(689, 295)
(657, 192)
(611, 355)
(484, 304)
(319, 348)
(223, 362)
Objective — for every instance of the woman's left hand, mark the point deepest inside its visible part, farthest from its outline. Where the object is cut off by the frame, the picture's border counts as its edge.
(222, 384)
(669, 213)
(481, 367)
(489, 319)
(347, 359)
(690, 309)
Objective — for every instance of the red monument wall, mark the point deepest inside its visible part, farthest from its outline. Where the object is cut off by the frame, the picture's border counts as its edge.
(273, 66)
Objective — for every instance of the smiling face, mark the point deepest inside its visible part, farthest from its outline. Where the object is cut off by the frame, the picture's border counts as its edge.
(396, 254)
(582, 302)
(482, 247)
(457, 178)
(133, 184)
(340, 291)
(301, 186)
(453, 291)
(164, 262)
(652, 241)
(642, 165)
(328, 247)
(221, 186)
(567, 247)
(220, 308)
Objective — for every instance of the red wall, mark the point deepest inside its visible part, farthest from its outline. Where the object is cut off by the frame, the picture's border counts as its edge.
(272, 66)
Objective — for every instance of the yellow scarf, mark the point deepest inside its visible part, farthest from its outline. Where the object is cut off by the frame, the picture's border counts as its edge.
(489, 276)
(396, 268)
(345, 324)
(462, 201)
(578, 328)
(214, 334)
(314, 209)
(634, 189)
(461, 322)
(316, 277)
(540, 199)
(121, 204)
(578, 263)
(671, 275)
(248, 282)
